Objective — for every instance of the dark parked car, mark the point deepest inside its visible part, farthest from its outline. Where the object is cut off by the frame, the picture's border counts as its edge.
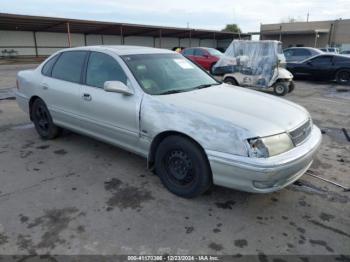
(294, 54)
(323, 67)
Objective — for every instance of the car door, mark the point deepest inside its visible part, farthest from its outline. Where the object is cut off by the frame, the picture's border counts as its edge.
(61, 87)
(321, 67)
(113, 117)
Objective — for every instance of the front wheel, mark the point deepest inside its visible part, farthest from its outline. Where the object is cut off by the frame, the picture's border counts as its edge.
(43, 121)
(281, 88)
(343, 77)
(182, 167)
(230, 81)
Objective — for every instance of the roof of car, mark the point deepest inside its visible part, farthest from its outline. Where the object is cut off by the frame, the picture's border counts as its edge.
(123, 49)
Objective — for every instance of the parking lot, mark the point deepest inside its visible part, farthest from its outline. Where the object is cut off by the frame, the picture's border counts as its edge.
(76, 195)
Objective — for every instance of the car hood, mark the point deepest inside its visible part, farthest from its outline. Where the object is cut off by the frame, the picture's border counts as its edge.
(258, 113)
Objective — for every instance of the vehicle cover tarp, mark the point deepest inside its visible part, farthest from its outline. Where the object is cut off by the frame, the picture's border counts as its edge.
(255, 60)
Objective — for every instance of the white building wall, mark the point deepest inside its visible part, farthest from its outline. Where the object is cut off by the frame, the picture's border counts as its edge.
(93, 40)
(167, 42)
(111, 40)
(23, 42)
(185, 42)
(224, 43)
(208, 43)
(51, 39)
(15, 38)
(139, 40)
(49, 43)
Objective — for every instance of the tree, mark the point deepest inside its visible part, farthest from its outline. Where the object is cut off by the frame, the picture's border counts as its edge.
(234, 28)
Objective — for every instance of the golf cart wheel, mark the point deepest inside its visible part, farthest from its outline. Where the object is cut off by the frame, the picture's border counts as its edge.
(43, 121)
(230, 81)
(343, 77)
(211, 68)
(291, 86)
(182, 167)
(281, 88)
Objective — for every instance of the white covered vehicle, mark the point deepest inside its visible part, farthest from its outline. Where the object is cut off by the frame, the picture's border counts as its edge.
(257, 64)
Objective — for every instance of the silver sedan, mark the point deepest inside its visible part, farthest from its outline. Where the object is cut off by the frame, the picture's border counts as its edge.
(193, 130)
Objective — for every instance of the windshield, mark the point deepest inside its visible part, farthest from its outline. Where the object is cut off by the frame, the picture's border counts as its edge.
(215, 52)
(167, 73)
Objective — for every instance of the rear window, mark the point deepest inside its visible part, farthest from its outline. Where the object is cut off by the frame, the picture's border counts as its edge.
(69, 66)
(188, 52)
(215, 52)
(301, 52)
(199, 52)
(47, 68)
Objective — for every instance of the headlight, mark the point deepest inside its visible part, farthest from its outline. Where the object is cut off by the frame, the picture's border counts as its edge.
(270, 145)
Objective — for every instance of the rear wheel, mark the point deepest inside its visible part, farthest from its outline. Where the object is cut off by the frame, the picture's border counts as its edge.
(230, 81)
(281, 88)
(182, 167)
(343, 77)
(43, 121)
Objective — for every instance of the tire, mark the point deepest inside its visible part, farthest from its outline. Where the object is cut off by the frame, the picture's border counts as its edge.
(230, 81)
(291, 86)
(182, 167)
(43, 121)
(281, 88)
(343, 77)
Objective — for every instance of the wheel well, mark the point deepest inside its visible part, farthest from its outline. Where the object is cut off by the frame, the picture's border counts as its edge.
(31, 102)
(160, 137)
(231, 77)
(341, 69)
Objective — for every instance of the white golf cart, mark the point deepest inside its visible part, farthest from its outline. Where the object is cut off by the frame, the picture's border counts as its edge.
(257, 64)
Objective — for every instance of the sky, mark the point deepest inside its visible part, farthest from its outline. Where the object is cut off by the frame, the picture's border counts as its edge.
(207, 14)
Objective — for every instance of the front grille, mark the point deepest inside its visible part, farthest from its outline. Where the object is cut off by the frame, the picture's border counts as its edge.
(299, 134)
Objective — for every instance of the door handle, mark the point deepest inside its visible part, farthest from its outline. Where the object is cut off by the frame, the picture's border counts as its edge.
(87, 97)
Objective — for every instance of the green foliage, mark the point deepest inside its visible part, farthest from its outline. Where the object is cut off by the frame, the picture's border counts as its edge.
(234, 28)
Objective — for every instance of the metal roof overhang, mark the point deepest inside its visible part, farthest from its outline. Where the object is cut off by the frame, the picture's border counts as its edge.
(59, 25)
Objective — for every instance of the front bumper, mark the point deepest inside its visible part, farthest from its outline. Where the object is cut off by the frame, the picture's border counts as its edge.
(264, 175)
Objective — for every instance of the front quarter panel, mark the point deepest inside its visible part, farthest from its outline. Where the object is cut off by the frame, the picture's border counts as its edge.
(211, 133)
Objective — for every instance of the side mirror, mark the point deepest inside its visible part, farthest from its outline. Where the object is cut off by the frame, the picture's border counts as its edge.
(117, 87)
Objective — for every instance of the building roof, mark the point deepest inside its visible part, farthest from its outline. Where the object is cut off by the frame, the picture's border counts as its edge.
(55, 24)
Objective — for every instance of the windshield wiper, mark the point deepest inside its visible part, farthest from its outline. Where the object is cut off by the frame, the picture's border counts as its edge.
(172, 92)
(205, 86)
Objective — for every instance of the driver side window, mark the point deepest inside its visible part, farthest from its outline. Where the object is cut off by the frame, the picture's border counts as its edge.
(101, 68)
(321, 60)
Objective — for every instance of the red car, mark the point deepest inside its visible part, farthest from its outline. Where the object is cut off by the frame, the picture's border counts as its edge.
(204, 56)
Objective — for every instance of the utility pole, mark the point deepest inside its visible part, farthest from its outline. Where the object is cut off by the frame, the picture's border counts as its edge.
(307, 16)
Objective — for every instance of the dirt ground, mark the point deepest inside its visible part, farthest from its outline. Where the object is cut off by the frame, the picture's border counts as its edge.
(76, 195)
